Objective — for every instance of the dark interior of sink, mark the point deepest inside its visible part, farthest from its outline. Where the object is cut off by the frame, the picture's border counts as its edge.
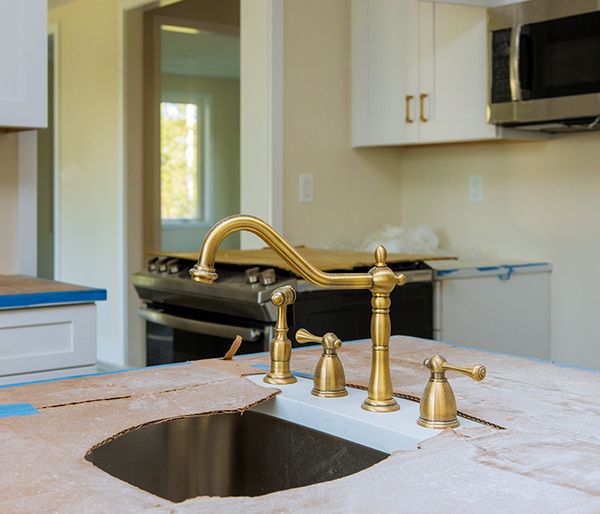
(247, 454)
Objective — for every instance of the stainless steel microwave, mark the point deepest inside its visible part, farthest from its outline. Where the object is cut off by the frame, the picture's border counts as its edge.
(544, 65)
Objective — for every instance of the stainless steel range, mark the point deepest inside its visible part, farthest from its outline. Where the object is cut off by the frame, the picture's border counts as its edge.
(187, 320)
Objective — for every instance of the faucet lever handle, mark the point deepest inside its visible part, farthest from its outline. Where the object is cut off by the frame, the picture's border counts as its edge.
(438, 364)
(329, 341)
(329, 381)
(438, 403)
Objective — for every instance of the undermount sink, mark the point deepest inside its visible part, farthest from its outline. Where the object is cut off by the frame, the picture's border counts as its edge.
(235, 454)
(293, 440)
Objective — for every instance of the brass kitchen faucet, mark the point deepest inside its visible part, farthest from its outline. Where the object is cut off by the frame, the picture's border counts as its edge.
(380, 280)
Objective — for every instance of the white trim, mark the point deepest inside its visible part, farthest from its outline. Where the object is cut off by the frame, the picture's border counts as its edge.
(261, 91)
(131, 333)
(54, 31)
(27, 204)
(276, 135)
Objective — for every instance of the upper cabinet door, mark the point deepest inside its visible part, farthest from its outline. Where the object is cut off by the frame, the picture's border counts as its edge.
(384, 72)
(23, 64)
(453, 74)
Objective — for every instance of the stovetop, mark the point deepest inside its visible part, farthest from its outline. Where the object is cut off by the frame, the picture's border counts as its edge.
(238, 290)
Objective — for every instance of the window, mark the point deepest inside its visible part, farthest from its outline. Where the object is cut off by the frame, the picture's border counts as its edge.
(181, 162)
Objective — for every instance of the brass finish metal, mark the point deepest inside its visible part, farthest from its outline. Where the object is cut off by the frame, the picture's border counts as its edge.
(281, 346)
(380, 280)
(408, 118)
(330, 381)
(422, 98)
(438, 404)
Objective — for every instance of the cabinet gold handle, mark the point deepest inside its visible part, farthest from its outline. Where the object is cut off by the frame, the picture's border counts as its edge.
(422, 98)
(408, 117)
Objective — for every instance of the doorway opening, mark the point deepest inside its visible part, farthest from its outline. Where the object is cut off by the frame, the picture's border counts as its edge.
(198, 87)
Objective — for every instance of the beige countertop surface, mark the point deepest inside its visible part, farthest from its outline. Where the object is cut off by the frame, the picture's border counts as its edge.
(23, 284)
(547, 459)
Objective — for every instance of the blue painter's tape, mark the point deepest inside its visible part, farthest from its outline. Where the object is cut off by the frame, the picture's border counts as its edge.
(264, 367)
(488, 268)
(79, 296)
(17, 409)
(444, 272)
(506, 276)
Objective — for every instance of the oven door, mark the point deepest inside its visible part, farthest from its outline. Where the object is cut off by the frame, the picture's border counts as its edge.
(177, 335)
(546, 65)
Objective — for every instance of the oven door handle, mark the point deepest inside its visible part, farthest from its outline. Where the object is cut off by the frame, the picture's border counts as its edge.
(201, 327)
(515, 63)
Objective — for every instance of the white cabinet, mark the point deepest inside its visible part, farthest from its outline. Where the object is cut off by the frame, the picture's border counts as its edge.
(47, 342)
(23, 64)
(419, 73)
(384, 58)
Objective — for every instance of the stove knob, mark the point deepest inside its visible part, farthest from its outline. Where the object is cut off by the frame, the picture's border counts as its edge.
(173, 267)
(252, 275)
(162, 264)
(268, 277)
(152, 265)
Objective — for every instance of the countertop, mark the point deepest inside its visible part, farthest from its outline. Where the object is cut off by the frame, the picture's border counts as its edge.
(322, 258)
(18, 291)
(546, 460)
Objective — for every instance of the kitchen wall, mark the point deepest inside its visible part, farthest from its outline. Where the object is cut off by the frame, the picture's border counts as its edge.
(540, 199)
(9, 189)
(540, 202)
(91, 232)
(356, 191)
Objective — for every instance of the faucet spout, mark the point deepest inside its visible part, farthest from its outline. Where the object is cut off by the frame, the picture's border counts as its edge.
(380, 280)
(204, 270)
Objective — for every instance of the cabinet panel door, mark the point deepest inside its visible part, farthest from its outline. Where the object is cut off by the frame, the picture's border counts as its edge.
(384, 72)
(23, 63)
(453, 73)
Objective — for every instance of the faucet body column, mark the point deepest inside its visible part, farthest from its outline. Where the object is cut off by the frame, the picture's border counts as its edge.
(380, 393)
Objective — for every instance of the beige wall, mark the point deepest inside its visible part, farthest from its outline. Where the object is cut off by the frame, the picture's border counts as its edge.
(9, 189)
(224, 182)
(90, 185)
(541, 201)
(356, 191)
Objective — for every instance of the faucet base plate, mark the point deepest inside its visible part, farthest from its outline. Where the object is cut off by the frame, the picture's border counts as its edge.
(329, 394)
(439, 425)
(280, 380)
(390, 405)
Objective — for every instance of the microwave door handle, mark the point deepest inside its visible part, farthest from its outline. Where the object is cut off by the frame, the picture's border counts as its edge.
(200, 327)
(515, 58)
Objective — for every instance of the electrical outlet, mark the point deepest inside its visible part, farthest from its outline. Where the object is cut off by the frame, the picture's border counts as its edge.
(306, 188)
(475, 189)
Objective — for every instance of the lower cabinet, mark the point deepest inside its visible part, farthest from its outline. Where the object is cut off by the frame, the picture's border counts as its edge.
(499, 307)
(47, 342)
